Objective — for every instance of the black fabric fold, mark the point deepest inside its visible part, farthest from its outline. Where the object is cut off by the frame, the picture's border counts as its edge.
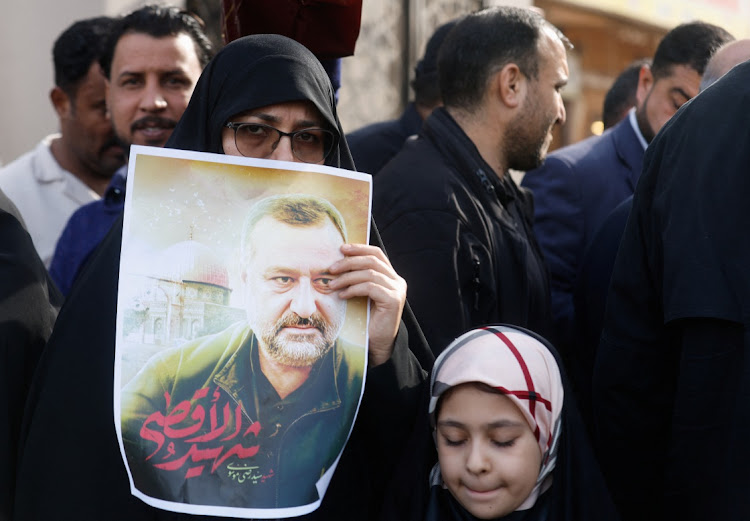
(672, 375)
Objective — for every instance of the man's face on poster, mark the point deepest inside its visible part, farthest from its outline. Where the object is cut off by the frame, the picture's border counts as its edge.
(294, 314)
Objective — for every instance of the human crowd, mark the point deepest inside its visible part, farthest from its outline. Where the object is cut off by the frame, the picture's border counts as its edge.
(570, 348)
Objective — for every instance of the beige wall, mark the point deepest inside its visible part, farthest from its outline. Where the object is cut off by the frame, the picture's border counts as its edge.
(28, 30)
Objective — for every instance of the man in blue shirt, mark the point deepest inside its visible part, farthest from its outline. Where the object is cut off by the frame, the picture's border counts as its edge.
(151, 63)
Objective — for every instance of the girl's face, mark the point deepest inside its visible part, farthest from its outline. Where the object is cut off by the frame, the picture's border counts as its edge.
(489, 457)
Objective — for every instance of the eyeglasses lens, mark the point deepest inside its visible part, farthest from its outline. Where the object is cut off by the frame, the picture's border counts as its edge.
(309, 145)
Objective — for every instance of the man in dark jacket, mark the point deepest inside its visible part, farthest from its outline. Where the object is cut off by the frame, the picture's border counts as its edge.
(454, 223)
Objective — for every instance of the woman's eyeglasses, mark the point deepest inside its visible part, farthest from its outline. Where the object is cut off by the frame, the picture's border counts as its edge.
(309, 145)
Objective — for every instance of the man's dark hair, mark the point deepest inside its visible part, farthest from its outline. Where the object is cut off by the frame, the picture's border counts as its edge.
(302, 210)
(425, 83)
(691, 44)
(484, 42)
(158, 21)
(76, 49)
(621, 95)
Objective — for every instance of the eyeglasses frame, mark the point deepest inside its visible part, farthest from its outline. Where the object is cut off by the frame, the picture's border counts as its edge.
(235, 125)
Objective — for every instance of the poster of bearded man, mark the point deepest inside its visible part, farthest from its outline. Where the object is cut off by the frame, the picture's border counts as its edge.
(239, 370)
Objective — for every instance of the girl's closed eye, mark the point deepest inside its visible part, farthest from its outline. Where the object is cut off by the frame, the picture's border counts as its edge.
(504, 444)
(453, 442)
(451, 435)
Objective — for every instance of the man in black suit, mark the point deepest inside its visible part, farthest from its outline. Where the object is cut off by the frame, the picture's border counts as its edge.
(579, 185)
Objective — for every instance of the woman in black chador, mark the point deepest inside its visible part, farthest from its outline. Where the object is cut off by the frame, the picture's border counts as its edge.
(71, 457)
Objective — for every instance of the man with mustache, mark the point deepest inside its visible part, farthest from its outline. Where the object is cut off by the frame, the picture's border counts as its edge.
(151, 61)
(455, 224)
(291, 384)
(74, 167)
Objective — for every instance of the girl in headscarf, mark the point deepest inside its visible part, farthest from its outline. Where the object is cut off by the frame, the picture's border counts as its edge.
(269, 81)
(506, 436)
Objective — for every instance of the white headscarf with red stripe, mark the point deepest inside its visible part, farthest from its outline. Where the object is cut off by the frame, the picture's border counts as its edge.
(519, 366)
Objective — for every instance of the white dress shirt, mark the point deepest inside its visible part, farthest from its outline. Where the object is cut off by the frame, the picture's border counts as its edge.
(45, 194)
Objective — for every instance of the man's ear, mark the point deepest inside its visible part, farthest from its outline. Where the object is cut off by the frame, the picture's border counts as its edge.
(510, 83)
(645, 84)
(61, 102)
